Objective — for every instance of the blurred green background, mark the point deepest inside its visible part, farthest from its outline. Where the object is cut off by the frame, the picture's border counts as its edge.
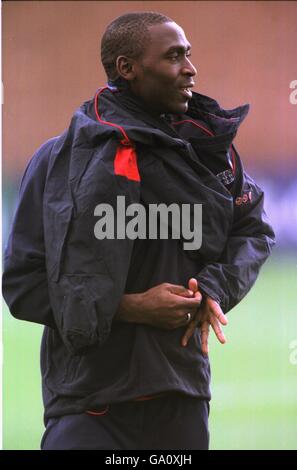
(254, 378)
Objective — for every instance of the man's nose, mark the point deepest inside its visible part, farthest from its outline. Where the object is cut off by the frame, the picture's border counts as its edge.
(189, 68)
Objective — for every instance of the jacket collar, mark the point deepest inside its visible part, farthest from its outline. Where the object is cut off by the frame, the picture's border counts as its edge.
(119, 106)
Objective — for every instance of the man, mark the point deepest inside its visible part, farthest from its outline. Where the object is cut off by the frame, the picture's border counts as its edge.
(124, 351)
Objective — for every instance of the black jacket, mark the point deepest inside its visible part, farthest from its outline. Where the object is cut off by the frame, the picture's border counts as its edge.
(59, 274)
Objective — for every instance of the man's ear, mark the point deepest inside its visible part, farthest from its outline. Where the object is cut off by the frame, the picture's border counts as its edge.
(126, 67)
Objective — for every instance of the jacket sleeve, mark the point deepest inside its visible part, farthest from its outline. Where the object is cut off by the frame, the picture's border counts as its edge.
(249, 245)
(24, 284)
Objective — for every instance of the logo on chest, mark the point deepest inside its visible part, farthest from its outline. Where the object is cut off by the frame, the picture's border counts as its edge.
(244, 199)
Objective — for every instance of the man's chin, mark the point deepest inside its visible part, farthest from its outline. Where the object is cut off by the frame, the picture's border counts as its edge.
(180, 108)
(174, 108)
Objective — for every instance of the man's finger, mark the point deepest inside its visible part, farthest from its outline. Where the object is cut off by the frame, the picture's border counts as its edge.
(187, 303)
(218, 330)
(193, 284)
(189, 332)
(180, 290)
(198, 296)
(204, 334)
(217, 311)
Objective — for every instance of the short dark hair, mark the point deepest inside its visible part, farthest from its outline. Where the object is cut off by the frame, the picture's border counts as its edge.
(127, 35)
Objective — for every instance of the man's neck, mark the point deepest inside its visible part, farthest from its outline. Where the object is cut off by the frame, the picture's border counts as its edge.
(139, 109)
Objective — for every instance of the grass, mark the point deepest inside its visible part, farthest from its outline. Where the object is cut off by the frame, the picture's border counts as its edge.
(254, 384)
(254, 387)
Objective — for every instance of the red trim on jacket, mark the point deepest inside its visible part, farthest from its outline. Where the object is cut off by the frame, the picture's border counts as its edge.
(143, 398)
(98, 413)
(125, 162)
(195, 124)
(126, 140)
(207, 131)
(150, 397)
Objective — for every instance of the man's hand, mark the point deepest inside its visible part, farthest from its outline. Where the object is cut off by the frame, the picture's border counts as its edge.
(210, 313)
(164, 306)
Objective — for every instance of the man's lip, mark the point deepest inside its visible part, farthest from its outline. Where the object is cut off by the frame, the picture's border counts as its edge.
(186, 91)
(187, 85)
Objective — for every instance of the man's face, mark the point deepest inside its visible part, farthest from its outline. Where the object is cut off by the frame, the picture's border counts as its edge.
(164, 74)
